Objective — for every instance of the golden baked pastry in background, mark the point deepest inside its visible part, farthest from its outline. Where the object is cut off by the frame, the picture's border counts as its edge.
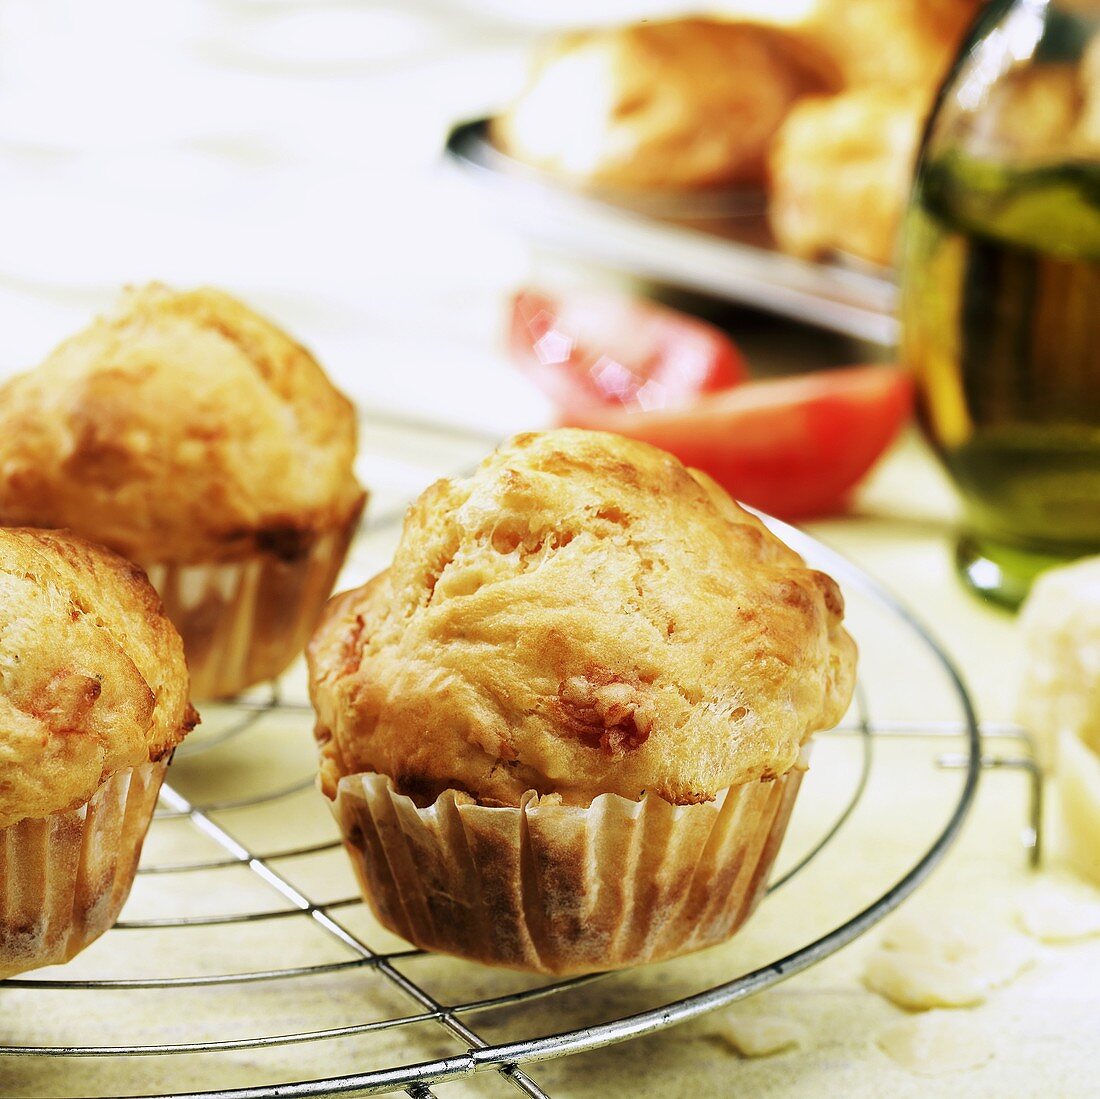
(1087, 137)
(93, 698)
(841, 169)
(580, 617)
(194, 437)
(679, 104)
(1030, 114)
(906, 44)
(581, 645)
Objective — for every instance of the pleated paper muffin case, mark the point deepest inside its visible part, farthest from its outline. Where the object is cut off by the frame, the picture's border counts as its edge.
(243, 622)
(562, 889)
(65, 877)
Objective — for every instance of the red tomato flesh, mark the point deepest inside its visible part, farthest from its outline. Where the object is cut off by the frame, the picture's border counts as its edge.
(794, 447)
(610, 351)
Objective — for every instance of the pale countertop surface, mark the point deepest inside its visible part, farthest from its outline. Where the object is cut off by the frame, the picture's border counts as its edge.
(288, 151)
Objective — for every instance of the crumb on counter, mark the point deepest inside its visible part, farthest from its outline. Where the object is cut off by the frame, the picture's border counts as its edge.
(938, 1042)
(929, 960)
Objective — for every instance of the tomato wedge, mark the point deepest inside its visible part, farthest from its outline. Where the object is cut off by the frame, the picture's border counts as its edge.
(611, 351)
(794, 447)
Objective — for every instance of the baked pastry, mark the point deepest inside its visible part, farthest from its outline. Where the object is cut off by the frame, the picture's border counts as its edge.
(582, 644)
(1029, 116)
(93, 700)
(195, 438)
(906, 44)
(680, 104)
(840, 172)
(1087, 137)
(841, 168)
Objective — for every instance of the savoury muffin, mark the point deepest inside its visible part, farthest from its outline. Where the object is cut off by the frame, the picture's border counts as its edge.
(93, 698)
(583, 644)
(840, 172)
(192, 436)
(686, 103)
(893, 43)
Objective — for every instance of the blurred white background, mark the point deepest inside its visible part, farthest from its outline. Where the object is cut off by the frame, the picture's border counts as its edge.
(287, 150)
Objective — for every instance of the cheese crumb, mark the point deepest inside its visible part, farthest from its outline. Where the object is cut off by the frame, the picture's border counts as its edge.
(938, 1042)
(945, 960)
(1060, 911)
(760, 1035)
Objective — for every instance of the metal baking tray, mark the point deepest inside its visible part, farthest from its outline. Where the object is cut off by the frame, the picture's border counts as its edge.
(715, 243)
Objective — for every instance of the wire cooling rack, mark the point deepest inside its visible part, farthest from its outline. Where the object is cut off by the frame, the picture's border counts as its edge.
(246, 966)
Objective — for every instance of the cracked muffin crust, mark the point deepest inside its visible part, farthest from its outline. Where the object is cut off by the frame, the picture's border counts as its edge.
(194, 437)
(92, 674)
(181, 428)
(581, 616)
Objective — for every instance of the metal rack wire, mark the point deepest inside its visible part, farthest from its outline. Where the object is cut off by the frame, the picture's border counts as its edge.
(394, 990)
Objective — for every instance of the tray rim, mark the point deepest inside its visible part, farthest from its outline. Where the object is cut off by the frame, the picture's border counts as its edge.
(856, 300)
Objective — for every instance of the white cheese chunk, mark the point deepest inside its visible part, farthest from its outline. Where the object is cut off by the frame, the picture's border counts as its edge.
(931, 960)
(1060, 684)
(1077, 785)
(760, 1035)
(1060, 911)
(938, 1042)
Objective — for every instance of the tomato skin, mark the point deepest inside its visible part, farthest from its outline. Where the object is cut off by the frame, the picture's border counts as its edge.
(609, 350)
(794, 447)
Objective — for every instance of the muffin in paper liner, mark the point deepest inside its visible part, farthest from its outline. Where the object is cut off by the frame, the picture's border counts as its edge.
(243, 622)
(584, 617)
(65, 877)
(562, 889)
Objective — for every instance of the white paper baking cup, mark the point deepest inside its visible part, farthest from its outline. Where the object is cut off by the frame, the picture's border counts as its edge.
(65, 877)
(563, 889)
(243, 622)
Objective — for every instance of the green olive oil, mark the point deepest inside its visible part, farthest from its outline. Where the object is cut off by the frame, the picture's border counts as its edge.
(1001, 322)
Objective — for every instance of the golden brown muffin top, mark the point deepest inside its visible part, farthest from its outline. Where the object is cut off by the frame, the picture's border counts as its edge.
(181, 428)
(582, 616)
(92, 675)
(677, 104)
